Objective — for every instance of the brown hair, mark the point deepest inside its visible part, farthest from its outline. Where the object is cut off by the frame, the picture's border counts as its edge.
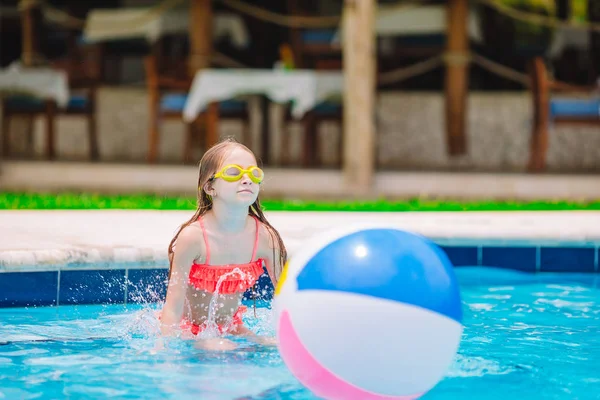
(210, 162)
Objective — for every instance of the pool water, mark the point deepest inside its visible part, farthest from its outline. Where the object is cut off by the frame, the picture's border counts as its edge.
(526, 337)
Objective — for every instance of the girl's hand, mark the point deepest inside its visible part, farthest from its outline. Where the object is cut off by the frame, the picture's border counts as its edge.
(264, 340)
(215, 344)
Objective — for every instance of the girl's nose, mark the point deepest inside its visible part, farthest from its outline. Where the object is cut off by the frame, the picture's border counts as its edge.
(246, 179)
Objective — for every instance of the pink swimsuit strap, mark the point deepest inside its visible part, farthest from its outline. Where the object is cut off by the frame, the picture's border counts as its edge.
(205, 276)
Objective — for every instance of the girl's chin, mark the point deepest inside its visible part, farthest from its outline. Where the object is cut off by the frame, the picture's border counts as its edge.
(246, 198)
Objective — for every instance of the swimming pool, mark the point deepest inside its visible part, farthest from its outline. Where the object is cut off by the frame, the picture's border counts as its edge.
(530, 336)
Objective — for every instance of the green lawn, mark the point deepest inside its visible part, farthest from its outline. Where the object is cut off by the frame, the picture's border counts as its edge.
(78, 201)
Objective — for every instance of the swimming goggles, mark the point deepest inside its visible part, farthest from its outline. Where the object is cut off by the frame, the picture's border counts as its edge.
(232, 173)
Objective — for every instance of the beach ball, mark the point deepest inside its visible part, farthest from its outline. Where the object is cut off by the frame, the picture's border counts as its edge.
(368, 313)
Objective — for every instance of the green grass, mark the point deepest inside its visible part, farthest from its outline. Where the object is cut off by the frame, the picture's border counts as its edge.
(79, 201)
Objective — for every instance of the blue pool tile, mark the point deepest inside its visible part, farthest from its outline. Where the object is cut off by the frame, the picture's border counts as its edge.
(462, 255)
(567, 259)
(519, 258)
(92, 286)
(21, 289)
(147, 285)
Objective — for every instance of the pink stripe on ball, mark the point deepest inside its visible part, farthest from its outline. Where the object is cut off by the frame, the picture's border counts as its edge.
(313, 375)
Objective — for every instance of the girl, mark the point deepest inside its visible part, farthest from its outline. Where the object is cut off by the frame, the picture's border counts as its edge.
(222, 248)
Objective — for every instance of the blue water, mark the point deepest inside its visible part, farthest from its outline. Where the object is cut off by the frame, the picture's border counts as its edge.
(526, 337)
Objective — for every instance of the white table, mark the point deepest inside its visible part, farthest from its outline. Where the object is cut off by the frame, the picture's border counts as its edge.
(127, 23)
(46, 83)
(306, 88)
(565, 37)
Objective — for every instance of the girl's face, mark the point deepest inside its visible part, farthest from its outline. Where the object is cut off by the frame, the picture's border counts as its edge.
(242, 192)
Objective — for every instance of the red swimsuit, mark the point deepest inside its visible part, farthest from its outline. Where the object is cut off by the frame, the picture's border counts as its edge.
(206, 276)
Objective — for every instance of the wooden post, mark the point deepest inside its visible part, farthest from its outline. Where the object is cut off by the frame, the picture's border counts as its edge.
(538, 144)
(29, 9)
(200, 35)
(456, 83)
(50, 106)
(359, 93)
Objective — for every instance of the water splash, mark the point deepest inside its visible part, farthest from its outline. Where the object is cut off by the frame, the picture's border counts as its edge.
(145, 323)
(212, 329)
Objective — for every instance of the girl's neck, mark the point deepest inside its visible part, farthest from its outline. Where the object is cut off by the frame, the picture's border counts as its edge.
(229, 219)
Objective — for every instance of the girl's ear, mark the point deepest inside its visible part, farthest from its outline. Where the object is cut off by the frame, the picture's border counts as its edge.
(209, 189)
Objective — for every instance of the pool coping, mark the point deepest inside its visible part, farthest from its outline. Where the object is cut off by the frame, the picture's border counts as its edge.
(103, 256)
(36, 240)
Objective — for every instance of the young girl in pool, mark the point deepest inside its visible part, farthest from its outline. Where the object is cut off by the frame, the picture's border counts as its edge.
(228, 234)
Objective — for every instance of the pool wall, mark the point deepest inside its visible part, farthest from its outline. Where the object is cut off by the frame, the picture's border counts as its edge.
(134, 281)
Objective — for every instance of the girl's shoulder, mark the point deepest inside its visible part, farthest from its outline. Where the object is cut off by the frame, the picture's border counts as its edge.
(191, 235)
(266, 236)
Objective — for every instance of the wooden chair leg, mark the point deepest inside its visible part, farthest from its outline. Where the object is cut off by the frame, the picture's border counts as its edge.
(212, 125)
(153, 138)
(246, 139)
(5, 133)
(284, 141)
(340, 161)
(93, 137)
(200, 129)
(188, 143)
(50, 114)
(539, 146)
(317, 155)
(265, 134)
(153, 127)
(533, 139)
(310, 141)
(29, 135)
(285, 155)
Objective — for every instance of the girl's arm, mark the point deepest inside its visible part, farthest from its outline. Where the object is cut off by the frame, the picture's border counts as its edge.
(186, 251)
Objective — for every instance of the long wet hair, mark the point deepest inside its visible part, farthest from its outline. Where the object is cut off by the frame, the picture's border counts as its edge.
(209, 164)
